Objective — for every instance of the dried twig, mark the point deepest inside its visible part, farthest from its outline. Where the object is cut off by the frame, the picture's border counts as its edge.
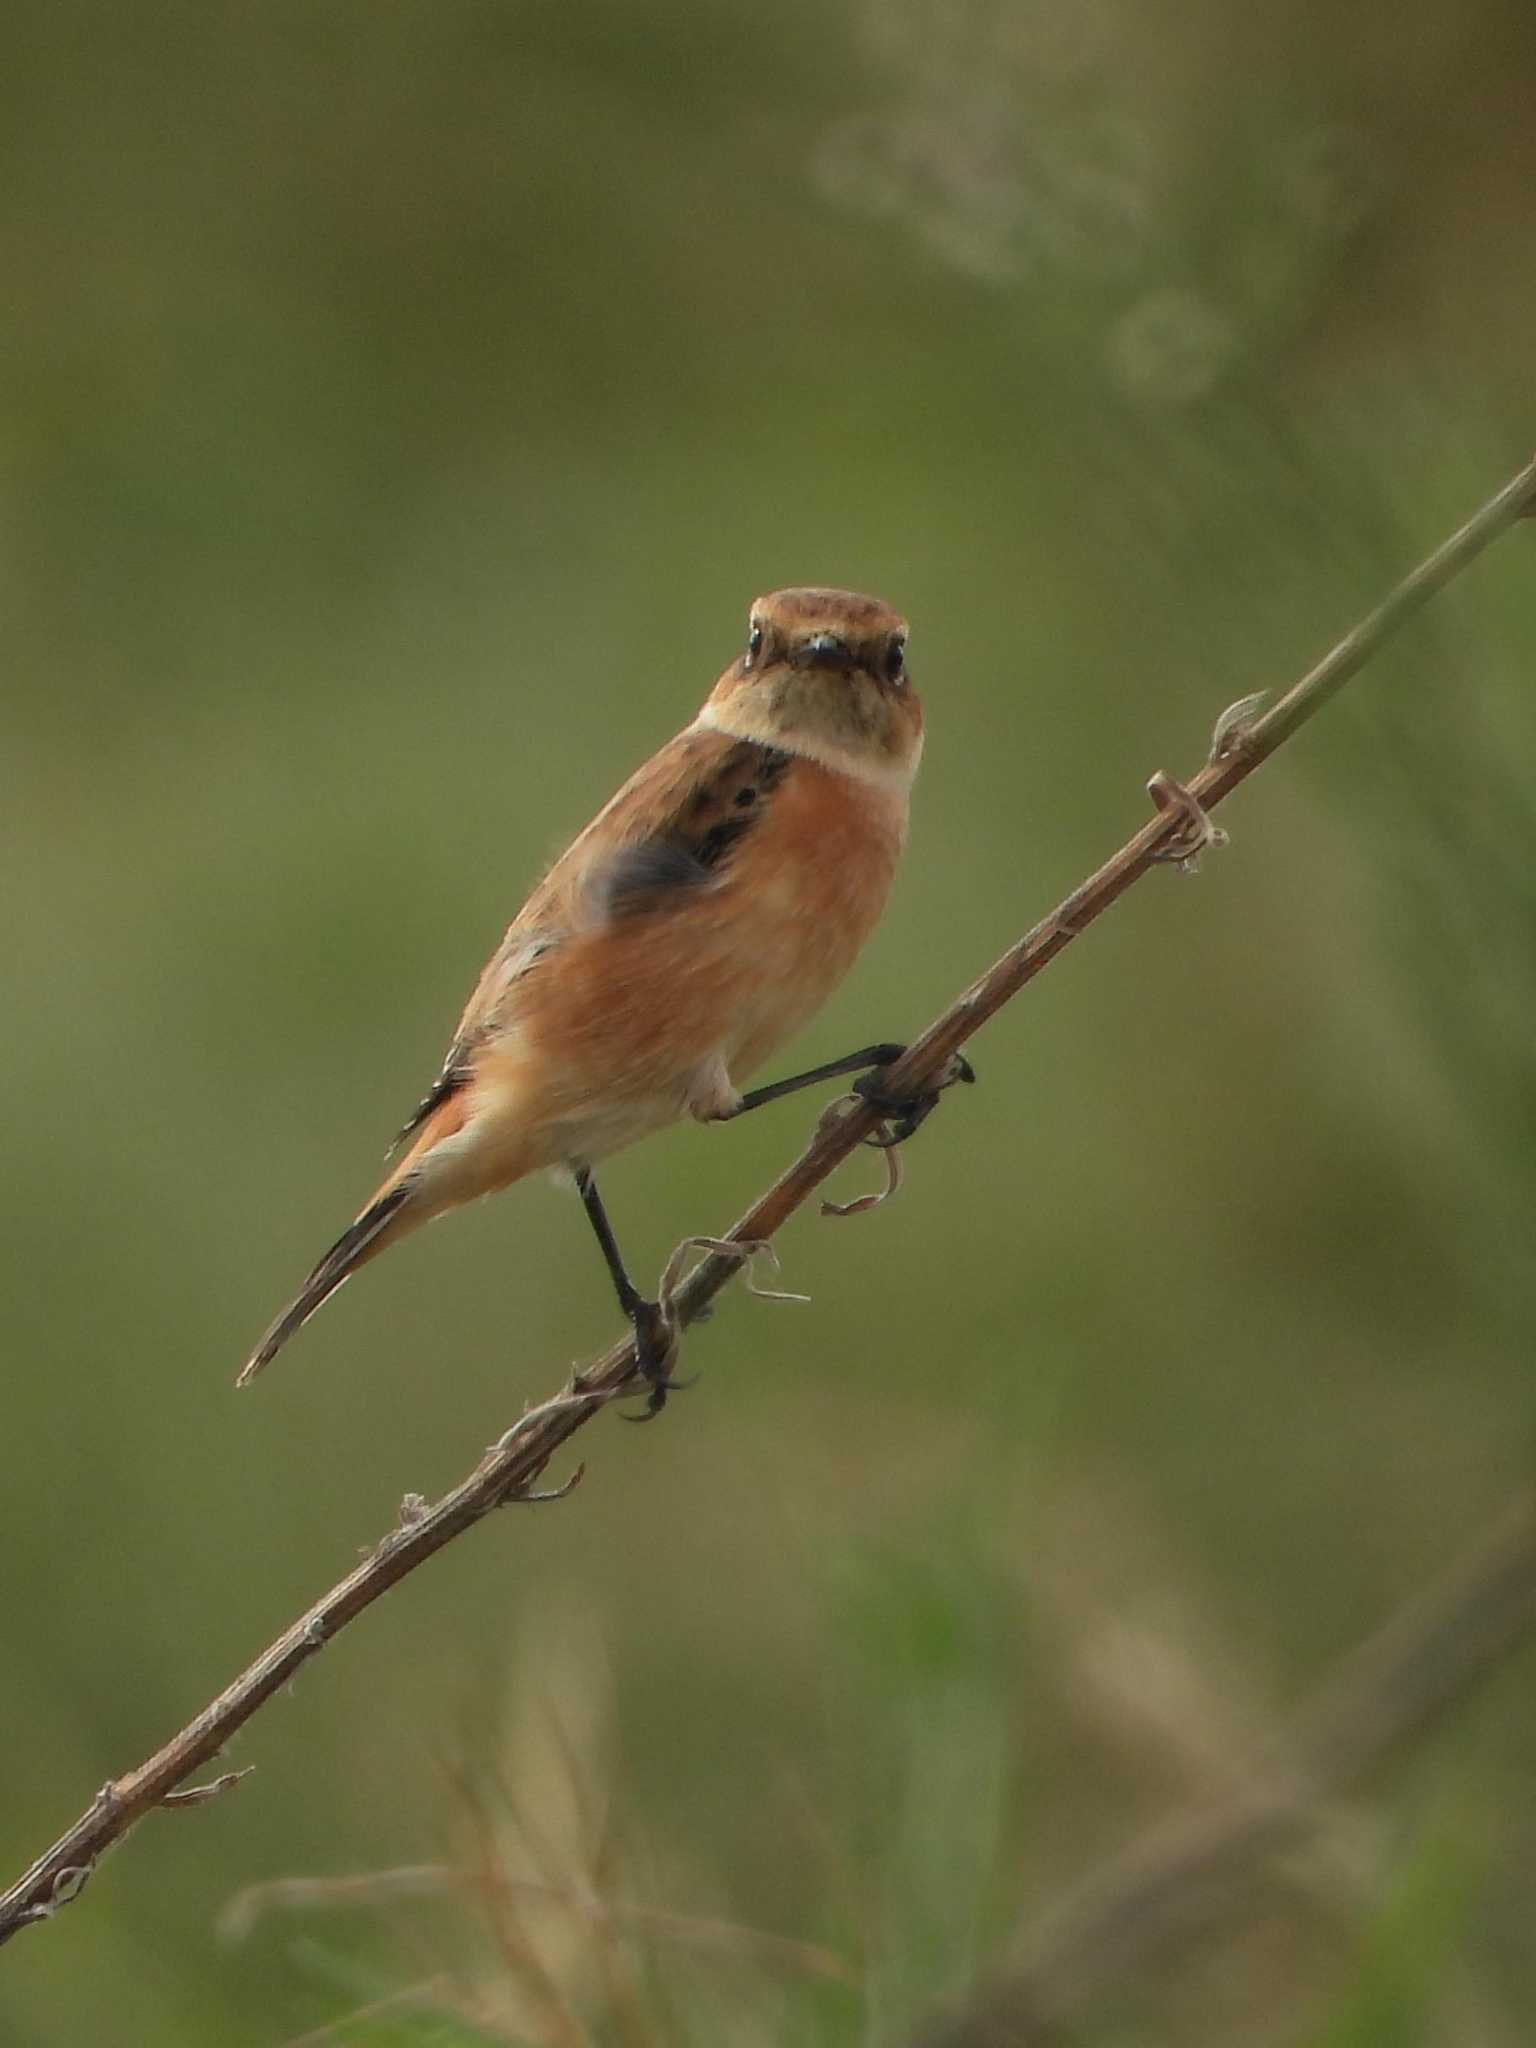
(1198, 1868)
(512, 1465)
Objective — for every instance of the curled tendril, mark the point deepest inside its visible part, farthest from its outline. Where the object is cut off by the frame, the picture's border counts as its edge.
(861, 1204)
(743, 1250)
(1195, 831)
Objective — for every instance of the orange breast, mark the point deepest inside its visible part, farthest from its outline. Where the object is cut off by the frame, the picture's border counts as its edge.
(631, 1008)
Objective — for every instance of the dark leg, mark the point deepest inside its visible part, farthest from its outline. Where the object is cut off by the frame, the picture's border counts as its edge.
(851, 1063)
(655, 1339)
(907, 1112)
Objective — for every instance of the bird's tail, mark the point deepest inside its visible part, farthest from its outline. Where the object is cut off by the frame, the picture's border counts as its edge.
(386, 1217)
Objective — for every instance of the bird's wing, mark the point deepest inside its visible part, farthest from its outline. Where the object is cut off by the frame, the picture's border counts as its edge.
(669, 832)
(474, 1026)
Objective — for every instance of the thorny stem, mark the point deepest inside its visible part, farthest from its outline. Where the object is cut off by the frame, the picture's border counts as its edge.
(511, 1466)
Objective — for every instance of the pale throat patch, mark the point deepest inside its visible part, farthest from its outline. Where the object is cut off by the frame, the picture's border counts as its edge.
(737, 724)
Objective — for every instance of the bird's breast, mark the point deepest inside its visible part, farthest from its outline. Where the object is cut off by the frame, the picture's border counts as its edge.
(801, 899)
(616, 1022)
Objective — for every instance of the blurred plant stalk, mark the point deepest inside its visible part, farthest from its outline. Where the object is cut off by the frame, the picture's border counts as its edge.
(1177, 1880)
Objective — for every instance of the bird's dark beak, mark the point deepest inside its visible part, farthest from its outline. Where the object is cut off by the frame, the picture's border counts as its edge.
(824, 650)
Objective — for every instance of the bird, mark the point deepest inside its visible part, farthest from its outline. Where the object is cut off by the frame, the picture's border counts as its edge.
(700, 920)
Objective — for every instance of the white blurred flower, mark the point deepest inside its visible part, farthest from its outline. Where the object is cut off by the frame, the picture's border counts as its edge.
(945, 178)
(1173, 345)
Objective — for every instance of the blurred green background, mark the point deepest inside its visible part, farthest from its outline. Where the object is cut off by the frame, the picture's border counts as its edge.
(403, 404)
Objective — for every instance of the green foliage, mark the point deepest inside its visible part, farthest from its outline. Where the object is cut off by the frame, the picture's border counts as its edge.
(1409, 1954)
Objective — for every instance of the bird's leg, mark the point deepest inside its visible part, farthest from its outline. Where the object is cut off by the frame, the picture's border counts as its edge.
(906, 1112)
(851, 1063)
(655, 1332)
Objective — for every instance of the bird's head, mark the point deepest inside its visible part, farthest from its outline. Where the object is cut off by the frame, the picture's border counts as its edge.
(824, 673)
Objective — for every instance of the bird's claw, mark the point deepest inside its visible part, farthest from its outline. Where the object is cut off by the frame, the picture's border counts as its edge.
(904, 1113)
(656, 1343)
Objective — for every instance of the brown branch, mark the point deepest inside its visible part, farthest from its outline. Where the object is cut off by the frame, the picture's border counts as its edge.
(510, 1467)
(1192, 1871)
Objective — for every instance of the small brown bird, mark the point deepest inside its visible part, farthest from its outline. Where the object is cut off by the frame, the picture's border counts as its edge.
(704, 915)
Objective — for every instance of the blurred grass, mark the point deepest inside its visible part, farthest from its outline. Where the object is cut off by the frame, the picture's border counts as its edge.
(405, 403)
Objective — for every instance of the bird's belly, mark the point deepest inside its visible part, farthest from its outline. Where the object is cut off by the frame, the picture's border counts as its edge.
(530, 1112)
(602, 1126)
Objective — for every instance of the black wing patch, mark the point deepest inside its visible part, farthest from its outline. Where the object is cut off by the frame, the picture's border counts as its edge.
(633, 878)
(695, 845)
(691, 850)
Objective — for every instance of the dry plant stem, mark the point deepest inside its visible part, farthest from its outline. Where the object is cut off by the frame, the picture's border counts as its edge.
(510, 1467)
(308, 1895)
(1200, 1868)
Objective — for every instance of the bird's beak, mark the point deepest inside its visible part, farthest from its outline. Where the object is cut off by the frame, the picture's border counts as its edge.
(824, 650)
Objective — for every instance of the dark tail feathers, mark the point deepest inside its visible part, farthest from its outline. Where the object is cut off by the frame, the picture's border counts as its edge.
(356, 1243)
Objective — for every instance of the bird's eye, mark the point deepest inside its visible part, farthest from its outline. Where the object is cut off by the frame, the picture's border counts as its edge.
(895, 661)
(754, 641)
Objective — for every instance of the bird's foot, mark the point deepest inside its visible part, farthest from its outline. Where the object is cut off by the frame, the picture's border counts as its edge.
(657, 1338)
(903, 1113)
